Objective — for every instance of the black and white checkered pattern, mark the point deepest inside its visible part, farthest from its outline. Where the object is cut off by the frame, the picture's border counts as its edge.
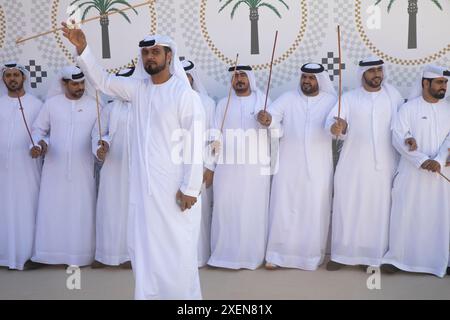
(53, 57)
(36, 73)
(15, 28)
(166, 18)
(331, 63)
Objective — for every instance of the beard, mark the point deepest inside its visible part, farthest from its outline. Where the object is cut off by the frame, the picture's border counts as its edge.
(438, 94)
(14, 86)
(78, 94)
(374, 83)
(309, 89)
(155, 69)
(240, 87)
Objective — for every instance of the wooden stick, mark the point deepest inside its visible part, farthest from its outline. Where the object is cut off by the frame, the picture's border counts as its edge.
(20, 40)
(340, 71)
(443, 176)
(229, 93)
(25, 120)
(98, 116)
(270, 72)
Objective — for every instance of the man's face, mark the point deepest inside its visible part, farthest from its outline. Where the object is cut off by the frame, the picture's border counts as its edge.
(13, 79)
(309, 84)
(74, 90)
(374, 77)
(241, 84)
(437, 88)
(191, 80)
(155, 59)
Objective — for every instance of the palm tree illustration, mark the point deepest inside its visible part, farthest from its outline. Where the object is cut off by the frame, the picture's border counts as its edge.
(254, 6)
(103, 7)
(413, 9)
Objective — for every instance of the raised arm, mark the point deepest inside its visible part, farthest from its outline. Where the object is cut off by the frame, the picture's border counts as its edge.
(111, 85)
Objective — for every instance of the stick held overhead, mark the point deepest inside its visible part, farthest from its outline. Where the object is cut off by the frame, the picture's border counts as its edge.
(21, 40)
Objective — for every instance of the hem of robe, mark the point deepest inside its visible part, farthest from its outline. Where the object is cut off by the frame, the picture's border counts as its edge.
(234, 265)
(63, 258)
(354, 261)
(409, 268)
(111, 260)
(295, 262)
(13, 266)
(202, 263)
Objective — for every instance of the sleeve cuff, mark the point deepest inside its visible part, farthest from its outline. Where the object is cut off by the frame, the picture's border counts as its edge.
(189, 192)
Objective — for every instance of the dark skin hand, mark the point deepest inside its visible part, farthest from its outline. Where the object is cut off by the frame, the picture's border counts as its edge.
(208, 177)
(264, 118)
(185, 202)
(37, 152)
(431, 165)
(103, 150)
(411, 142)
(339, 127)
(448, 159)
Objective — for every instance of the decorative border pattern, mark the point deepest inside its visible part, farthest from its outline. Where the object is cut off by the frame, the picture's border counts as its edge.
(2, 27)
(285, 56)
(286, 69)
(381, 54)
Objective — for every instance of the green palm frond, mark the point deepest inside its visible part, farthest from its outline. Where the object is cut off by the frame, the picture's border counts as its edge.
(391, 2)
(86, 11)
(121, 13)
(236, 7)
(125, 3)
(252, 4)
(228, 3)
(285, 4)
(436, 2)
(268, 5)
(102, 6)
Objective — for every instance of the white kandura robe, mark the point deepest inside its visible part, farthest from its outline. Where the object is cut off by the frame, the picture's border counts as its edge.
(162, 240)
(19, 181)
(241, 188)
(65, 227)
(113, 193)
(300, 203)
(204, 242)
(420, 218)
(363, 177)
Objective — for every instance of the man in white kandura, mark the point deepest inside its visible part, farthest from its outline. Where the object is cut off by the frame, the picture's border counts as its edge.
(65, 227)
(113, 194)
(166, 165)
(300, 204)
(365, 170)
(204, 243)
(419, 234)
(241, 178)
(19, 174)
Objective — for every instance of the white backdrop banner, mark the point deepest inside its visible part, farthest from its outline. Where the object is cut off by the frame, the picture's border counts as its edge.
(407, 34)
